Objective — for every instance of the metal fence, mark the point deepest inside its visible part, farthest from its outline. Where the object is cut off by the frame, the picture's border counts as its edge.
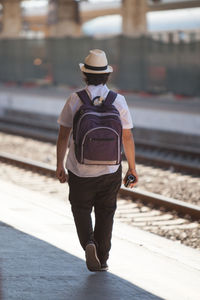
(140, 64)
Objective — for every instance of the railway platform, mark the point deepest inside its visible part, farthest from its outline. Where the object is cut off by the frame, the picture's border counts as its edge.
(40, 257)
(164, 112)
(158, 119)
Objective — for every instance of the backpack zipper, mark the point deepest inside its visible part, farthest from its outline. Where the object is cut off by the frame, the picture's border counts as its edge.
(118, 141)
(101, 139)
(96, 114)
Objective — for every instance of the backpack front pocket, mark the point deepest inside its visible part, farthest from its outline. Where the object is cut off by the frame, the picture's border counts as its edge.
(101, 146)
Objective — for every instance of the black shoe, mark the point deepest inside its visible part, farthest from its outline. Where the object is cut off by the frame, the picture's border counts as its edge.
(92, 261)
(104, 267)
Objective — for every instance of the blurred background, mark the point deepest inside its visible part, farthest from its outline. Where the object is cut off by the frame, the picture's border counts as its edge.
(154, 48)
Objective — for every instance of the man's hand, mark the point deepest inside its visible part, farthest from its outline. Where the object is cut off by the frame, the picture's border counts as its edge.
(133, 172)
(60, 174)
(129, 149)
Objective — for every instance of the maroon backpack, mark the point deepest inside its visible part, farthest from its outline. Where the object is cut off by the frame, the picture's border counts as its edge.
(97, 131)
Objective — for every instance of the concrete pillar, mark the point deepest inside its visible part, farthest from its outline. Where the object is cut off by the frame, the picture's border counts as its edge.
(11, 19)
(63, 18)
(134, 17)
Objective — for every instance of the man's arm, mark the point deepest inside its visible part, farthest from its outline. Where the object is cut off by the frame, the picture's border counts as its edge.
(62, 142)
(129, 149)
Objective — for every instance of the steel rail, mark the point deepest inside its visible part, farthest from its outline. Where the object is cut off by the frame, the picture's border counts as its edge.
(167, 147)
(182, 208)
(158, 201)
(34, 127)
(28, 164)
(178, 166)
(47, 136)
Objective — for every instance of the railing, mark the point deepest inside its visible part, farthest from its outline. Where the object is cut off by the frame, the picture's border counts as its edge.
(157, 64)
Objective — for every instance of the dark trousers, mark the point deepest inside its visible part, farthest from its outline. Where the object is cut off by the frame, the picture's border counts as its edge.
(101, 193)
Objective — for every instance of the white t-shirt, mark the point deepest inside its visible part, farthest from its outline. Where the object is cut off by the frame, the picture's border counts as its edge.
(65, 119)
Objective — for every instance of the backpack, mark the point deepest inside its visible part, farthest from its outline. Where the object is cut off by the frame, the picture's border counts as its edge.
(97, 131)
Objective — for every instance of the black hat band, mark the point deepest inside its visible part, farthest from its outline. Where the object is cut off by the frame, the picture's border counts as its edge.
(95, 68)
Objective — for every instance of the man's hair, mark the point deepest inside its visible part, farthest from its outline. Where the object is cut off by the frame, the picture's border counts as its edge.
(96, 79)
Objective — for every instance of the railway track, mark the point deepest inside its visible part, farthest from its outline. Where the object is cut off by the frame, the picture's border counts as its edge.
(186, 160)
(161, 155)
(182, 208)
(167, 217)
(173, 219)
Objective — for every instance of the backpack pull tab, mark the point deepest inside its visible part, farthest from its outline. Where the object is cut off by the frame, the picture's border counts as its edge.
(98, 101)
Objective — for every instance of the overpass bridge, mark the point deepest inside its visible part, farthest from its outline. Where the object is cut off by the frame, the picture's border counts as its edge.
(65, 17)
(90, 10)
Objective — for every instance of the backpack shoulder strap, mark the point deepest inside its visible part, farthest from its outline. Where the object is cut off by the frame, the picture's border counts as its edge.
(110, 98)
(83, 95)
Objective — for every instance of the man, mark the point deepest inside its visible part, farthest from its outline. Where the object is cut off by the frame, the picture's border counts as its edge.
(94, 185)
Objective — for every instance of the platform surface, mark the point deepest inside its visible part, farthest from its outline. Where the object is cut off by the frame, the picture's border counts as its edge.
(153, 112)
(40, 257)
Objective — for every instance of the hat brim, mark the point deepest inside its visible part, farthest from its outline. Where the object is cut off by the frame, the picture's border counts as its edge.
(83, 69)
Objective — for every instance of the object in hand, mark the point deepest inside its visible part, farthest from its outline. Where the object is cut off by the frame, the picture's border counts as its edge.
(130, 179)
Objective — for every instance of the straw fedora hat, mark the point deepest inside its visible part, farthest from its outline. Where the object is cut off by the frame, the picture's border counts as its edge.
(96, 63)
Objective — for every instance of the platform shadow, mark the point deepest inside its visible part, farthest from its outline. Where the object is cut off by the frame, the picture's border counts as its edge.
(32, 269)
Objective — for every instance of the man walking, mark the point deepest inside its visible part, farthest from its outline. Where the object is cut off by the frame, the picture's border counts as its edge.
(94, 173)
